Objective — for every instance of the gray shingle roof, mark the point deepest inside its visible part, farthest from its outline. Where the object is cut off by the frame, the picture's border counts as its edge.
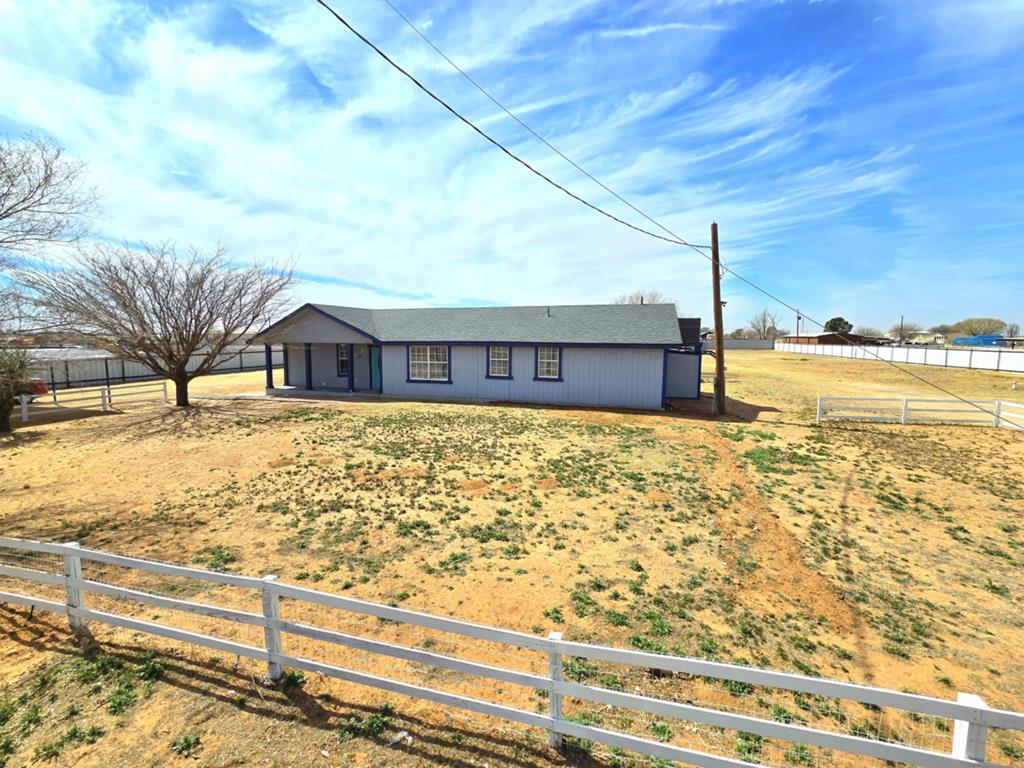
(571, 324)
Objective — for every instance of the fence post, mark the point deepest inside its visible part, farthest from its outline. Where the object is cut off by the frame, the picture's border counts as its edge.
(105, 398)
(817, 419)
(24, 399)
(970, 739)
(271, 632)
(74, 597)
(995, 413)
(555, 698)
(165, 393)
(906, 411)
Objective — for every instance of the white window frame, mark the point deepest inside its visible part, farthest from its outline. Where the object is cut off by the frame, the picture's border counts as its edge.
(505, 361)
(429, 363)
(544, 365)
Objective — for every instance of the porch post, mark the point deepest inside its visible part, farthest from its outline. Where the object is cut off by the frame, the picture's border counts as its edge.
(284, 355)
(351, 367)
(309, 365)
(268, 361)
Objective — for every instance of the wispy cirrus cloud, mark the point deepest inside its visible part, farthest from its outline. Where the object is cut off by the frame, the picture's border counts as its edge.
(669, 26)
(265, 125)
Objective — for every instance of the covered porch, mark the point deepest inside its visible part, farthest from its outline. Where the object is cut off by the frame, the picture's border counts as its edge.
(326, 369)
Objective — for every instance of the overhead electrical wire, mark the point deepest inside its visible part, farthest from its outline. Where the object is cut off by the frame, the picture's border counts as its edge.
(495, 142)
(674, 239)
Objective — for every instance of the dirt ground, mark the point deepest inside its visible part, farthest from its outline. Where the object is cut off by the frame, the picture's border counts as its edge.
(880, 554)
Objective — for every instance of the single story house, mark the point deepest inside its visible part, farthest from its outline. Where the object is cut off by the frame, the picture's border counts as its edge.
(616, 355)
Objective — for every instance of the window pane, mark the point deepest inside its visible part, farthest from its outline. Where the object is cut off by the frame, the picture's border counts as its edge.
(498, 361)
(429, 363)
(547, 362)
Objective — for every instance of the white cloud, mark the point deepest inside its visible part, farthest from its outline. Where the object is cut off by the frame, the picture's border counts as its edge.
(671, 26)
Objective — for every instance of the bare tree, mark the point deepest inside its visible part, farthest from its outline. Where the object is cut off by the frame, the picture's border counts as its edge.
(43, 196)
(1012, 330)
(44, 200)
(157, 309)
(765, 325)
(867, 330)
(980, 326)
(643, 297)
(903, 331)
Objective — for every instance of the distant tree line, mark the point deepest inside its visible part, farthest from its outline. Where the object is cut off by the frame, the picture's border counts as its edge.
(765, 325)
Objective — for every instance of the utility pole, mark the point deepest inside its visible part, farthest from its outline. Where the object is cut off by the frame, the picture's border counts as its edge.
(901, 330)
(718, 403)
(798, 324)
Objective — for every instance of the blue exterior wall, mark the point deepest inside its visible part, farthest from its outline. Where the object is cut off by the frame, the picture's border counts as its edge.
(626, 377)
(683, 377)
(325, 366)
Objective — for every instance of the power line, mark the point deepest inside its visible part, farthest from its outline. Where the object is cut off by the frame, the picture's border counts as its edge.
(674, 239)
(534, 133)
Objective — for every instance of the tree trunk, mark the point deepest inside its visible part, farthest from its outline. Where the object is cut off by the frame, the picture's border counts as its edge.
(181, 392)
(5, 417)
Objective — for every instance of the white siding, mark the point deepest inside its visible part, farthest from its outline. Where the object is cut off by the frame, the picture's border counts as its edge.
(628, 377)
(683, 377)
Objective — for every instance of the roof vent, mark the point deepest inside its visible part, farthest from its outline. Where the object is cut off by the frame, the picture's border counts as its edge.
(549, 311)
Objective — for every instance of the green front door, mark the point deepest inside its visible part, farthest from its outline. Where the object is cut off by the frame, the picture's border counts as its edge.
(375, 367)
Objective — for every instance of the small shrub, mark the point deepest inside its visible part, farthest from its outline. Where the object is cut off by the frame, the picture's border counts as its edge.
(185, 744)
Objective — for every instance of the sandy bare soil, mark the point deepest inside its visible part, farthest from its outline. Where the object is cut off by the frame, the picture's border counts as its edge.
(880, 554)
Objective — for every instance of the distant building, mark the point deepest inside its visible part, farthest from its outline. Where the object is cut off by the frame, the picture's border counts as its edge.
(829, 338)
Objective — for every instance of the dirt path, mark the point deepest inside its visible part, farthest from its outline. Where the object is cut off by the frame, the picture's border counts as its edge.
(753, 531)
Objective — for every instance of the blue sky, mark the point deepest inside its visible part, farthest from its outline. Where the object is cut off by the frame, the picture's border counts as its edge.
(862, 158)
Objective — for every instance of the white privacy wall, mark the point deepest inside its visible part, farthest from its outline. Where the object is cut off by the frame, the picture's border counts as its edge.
(627, 377)
(1005, 360)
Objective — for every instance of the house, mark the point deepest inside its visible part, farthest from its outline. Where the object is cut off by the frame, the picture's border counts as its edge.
(618, 355)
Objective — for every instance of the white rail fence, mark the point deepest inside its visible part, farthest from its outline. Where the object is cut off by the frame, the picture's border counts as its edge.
(107, 398)
(968, 745)
(1005, 360)
(907, 410)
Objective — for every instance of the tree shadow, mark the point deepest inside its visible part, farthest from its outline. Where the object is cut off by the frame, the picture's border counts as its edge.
(444, 743)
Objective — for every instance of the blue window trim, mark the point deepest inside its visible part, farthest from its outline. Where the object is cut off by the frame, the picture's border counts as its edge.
(664, 379)
(337, 359)
(487, 370)
(308, 354)
(284, 348)
(351, 367)
(408, 365)
(536, 361)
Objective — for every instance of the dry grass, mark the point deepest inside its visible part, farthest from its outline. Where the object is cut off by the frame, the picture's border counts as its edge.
(881, 554)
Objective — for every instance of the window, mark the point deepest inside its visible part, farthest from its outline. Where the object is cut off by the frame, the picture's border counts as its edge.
(549, 363)
(499, 362)
(343, 362)
(428, 364)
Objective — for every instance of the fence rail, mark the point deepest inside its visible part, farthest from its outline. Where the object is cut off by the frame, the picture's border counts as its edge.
(972, 717)
(907, 410)
(1003, 360)
(83, 372)
(105, 398)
